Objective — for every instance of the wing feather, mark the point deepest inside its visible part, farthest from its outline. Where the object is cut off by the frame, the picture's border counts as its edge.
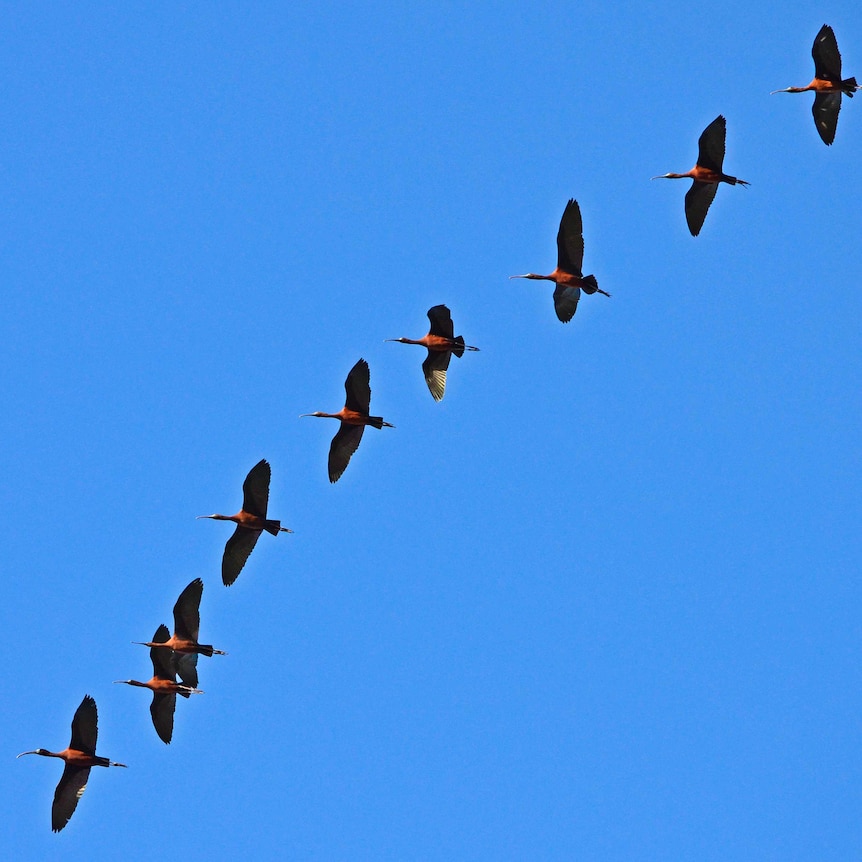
(710, 145)
(566, 301)
(358, 388)
(85, 728)
(434, 368)
(236, 552)
(697, 202)
(69, 790)
(187, 618)
(344, 444)
(255, 489)
(570, 240)
(825, 112)
(162, 712)
(827, 59)
(441, 321)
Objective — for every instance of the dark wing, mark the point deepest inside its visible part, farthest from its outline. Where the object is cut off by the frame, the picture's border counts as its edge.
(434, 367)
(697, 201)
(163, 668)
(710, 145)
(827, 60)
(162, 710)
(570, 240)
(84, 730)
(255, 490)
(825, 110)
(236, 552)
(441, 321)
(566, 301)
(187, 618)
(186, 667)
(72, 785)
(358, 388)
(344, 444)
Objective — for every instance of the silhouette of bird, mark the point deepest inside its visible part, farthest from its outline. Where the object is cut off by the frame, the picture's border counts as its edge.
(354, 417)
(569, 279)
(164, 687)
(184, 640)
(827, 84)
(441, 343)
(79, 757)
(251, 521)
(706, 174)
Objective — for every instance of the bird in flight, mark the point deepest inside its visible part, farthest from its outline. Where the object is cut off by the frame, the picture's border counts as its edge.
(568, 277)
(441, 342)
(251, 521)
(827, 85)
(79, 757)
(354, 417)
(705, 175)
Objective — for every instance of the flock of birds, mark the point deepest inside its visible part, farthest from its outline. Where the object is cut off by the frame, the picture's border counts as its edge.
(176, 654)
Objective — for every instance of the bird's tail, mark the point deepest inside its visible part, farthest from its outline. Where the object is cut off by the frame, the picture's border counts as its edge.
(273, 527)
(210, 650)
(849, 86)
(377, 422)
(458, 346)
(591, 286)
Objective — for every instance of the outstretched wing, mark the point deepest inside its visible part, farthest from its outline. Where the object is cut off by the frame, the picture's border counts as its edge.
(236, 552)
(570, 240)
(441, 321)
(344, 444)
(69, 790)
(697, 201)
(255, 489)
(84, 730)
(162, 711)
(566, 302)
(186, 667)
(358, 388)
(710, 145)
(187, 618)
(163, 668)
(825, 111)
(434, 368)
(827, 60)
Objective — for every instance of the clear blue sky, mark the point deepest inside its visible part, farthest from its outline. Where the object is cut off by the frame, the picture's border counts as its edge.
(600, 603)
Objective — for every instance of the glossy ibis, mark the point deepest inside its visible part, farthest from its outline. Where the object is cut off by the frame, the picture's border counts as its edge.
(441, 343)
(354, 417)
(164, 687)
(827, 84)
(184, 640)
(251, 521)
(79, 757)
(569, 279)
(705, 175)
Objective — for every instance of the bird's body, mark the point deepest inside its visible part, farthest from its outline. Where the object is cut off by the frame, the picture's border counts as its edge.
(79, 757)
(353, 417)
(164, 687)
(705, 175)
(827, 85)
(568, 276)
(441, 342)
(251, 521)
(184, 640)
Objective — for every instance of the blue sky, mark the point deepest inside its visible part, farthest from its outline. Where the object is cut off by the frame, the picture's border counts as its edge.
(602, 602)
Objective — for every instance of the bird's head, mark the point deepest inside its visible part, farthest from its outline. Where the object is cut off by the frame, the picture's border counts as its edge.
(43, 751)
